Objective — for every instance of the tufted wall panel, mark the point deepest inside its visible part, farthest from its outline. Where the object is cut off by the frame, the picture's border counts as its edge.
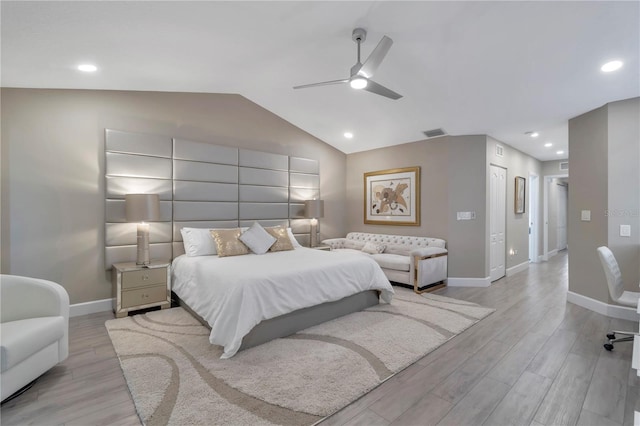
(202, 186)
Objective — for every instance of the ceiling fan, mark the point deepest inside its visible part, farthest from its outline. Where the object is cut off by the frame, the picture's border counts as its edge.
(360, 75)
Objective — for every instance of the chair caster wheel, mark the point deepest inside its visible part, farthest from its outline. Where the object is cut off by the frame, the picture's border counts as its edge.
(608, 346)
(611, 336)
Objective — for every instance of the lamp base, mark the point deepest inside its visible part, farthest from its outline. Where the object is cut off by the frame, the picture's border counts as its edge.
(142, 256)
(313, 237)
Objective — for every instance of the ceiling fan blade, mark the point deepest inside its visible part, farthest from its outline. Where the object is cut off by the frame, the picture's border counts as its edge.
(324, 83)
(379, 89)
(375, 58)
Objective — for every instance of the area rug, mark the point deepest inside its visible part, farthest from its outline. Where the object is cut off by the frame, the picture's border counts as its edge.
(177, 377)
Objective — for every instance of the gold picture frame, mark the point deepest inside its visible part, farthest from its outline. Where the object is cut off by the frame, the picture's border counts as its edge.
(392, 197)
(520, 195)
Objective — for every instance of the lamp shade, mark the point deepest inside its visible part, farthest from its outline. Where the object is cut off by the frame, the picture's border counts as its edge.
(313, 208)
(142, 207)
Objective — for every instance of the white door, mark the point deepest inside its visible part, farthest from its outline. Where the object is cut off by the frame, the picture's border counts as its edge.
(497, 212)
(562, 217)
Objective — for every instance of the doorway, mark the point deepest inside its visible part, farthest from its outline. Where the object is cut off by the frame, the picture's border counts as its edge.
(498, 221)
(562, 216)
(533, 217)
(552, 219)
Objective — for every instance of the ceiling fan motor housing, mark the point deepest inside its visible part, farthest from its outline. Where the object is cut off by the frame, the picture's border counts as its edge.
(359, 34)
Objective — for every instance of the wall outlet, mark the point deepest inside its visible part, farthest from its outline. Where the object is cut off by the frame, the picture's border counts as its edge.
(625, 230)
(585, 215)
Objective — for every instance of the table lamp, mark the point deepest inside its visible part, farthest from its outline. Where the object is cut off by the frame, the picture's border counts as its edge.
(141, 208)
(313, 209)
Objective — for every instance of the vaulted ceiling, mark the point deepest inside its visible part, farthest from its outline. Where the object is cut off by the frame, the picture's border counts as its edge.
(496, 68)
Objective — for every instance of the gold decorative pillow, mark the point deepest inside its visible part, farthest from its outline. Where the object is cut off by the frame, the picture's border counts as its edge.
(283, 242)
(228, 243)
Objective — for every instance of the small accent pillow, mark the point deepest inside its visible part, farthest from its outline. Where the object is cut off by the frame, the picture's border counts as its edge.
(257, 239)
(227, 242)
(373, 248)
(354, 245)
(282, 236)
(198, 242)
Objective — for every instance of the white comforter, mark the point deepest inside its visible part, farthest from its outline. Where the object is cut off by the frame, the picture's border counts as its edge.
(233, 294)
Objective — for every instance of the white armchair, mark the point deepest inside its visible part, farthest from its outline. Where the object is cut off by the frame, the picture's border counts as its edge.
(34, 330)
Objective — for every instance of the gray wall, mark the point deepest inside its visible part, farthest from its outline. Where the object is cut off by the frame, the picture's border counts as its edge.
(53, 169)
(588, 148)
(604, 146)
(468, 187)
(517, 163)
(431, 156)
(454, 178)
(624, 187)
(552, 168)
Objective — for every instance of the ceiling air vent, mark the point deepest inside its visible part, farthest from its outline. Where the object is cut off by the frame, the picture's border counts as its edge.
(434, 133)
(564, 165)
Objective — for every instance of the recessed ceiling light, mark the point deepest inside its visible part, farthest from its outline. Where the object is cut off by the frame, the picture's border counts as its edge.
(87, 68)
(532, 134)
(348, 135)
(611, 66)
(548, 145)
(560, 152)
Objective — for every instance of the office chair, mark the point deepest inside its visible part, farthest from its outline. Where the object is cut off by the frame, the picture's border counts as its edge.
(617, 292)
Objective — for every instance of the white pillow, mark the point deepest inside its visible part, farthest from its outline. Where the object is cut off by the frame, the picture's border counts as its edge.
(294, 242)
(373, 248)
(257, 239)
(198, 242)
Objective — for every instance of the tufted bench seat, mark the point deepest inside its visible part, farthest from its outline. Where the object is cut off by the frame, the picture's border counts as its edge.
(420, 262)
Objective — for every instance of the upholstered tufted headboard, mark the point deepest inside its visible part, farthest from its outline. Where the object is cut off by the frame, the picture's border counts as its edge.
(200, 185)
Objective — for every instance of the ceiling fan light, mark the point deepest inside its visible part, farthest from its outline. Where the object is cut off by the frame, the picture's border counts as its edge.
(358, 83)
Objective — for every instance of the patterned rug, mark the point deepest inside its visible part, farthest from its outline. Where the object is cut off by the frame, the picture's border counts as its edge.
(177, 377)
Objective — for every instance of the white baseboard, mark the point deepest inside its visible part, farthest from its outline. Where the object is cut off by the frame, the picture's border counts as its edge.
(518, 268)
(552, 253)
(468, 282)
(612, 311)
(92, 307)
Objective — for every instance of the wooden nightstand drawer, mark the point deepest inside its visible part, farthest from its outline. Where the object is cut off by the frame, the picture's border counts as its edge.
(143, 277)
(143, 296)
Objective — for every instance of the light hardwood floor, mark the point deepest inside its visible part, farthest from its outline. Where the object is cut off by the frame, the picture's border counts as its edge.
(536, 361)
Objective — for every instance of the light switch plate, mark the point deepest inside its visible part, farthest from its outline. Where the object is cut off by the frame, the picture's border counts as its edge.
(585, 216)
(625, 230)
(465, 215)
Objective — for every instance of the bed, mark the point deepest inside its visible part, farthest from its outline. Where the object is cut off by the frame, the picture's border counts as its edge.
(247, 300)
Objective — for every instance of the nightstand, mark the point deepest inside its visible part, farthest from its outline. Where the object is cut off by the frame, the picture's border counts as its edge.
(139, 287)
(326, 248)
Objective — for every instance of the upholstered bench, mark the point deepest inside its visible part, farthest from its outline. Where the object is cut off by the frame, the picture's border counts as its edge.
(419, 262)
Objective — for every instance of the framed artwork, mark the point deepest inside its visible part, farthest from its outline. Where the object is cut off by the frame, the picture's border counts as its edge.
(392, 197)
(520, 194)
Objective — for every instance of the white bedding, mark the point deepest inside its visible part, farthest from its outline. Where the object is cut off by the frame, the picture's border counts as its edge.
(234, 294)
